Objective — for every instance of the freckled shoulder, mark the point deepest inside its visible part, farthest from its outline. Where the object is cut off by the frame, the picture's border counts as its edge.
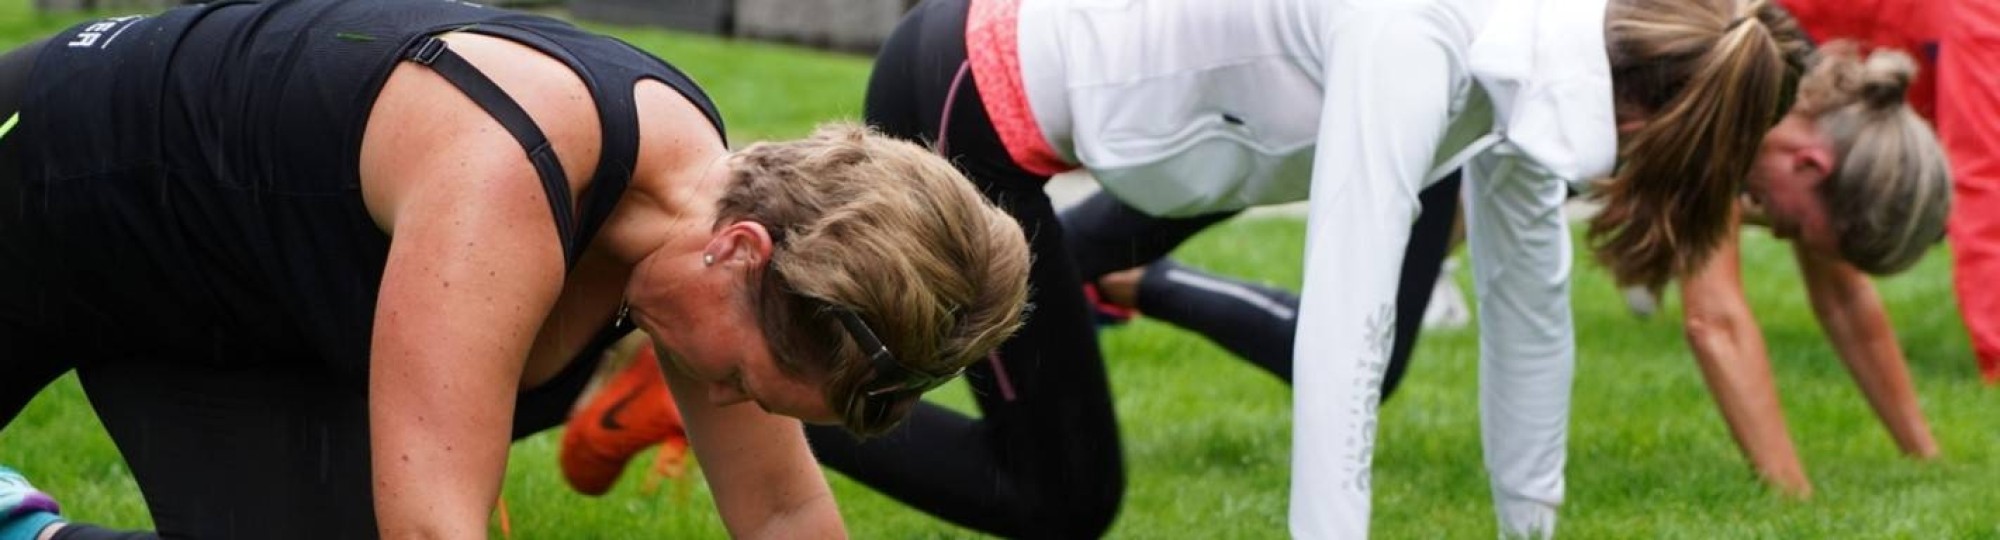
(419, 121)
(674, 134)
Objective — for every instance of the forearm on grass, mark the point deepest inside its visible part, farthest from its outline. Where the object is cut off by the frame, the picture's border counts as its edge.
(1852, 316)
(1729, 348)
(765, 480)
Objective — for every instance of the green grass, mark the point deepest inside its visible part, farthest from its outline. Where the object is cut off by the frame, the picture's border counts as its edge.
(1206, 435)
(19, 22)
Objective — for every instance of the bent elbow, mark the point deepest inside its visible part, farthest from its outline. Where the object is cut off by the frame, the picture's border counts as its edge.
(1711, 326)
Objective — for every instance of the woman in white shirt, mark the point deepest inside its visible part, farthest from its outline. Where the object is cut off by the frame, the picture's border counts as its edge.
(1855, 179)
(1187, 107)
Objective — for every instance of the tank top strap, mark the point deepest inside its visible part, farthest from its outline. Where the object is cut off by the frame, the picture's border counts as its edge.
(610, 68)
(618, 67)
(617, 126)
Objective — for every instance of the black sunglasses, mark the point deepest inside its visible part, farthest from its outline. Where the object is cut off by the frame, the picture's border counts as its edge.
(890, 376)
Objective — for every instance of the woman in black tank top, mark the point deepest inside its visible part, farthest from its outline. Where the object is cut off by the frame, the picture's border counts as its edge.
(316, 260)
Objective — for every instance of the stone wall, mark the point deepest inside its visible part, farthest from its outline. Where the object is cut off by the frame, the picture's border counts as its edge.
(849, 25)
(704, 16)
(109, 6)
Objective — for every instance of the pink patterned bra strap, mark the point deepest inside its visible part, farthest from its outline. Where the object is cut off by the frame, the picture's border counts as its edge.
(992, 47)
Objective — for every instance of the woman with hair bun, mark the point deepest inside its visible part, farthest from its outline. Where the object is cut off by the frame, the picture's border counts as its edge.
(1859, 184)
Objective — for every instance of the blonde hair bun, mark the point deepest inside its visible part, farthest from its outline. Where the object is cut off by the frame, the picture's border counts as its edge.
(1840, 77)
(1885, 78)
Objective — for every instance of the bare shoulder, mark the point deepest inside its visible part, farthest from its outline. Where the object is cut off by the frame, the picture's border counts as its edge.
(674, 133)
(422, 130)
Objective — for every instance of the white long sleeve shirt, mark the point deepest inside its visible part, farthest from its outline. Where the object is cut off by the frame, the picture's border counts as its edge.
(1182, 107)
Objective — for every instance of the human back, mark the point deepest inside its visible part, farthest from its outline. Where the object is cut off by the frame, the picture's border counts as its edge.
(1185, 107)
(237, 178)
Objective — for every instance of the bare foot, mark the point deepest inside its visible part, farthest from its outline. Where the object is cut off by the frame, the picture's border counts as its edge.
(1121, 288)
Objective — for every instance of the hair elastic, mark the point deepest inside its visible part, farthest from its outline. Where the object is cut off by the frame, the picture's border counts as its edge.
(950, 97)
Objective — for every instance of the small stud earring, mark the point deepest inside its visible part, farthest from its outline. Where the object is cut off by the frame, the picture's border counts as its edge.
(708, 259)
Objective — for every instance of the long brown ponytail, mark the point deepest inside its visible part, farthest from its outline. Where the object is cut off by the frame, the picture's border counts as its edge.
(1713, 76)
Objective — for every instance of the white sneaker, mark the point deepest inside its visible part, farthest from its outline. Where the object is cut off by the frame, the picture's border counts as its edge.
(1448, 310)
(1642, 301)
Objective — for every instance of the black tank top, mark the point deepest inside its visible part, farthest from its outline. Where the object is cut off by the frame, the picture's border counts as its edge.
(197, 176)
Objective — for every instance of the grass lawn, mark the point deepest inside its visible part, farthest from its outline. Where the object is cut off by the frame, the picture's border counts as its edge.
(1206, 435)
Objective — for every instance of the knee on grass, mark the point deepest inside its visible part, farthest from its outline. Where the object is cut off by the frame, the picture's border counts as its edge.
(1086, 511)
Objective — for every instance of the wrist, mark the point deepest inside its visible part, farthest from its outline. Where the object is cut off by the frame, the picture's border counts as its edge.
(36, 525)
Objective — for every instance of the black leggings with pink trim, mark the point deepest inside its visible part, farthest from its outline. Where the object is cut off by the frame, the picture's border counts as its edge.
(1043, 458)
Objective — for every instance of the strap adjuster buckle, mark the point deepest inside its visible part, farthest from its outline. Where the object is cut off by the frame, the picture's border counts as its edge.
(428, 51)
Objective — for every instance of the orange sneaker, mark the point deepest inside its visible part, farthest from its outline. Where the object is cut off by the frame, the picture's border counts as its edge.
(634, 411)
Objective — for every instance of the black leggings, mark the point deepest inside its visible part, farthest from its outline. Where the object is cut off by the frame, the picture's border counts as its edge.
(1043, 460)
(1253, 321)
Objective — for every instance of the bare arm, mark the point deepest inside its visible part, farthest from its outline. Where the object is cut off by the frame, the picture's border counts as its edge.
(473, 270)
(1851, 314)
(766, 482)
(474, 267)
(1730, 350)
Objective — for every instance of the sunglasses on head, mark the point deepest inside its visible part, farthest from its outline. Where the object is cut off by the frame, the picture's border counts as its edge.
(891, 382)
(890, 376)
